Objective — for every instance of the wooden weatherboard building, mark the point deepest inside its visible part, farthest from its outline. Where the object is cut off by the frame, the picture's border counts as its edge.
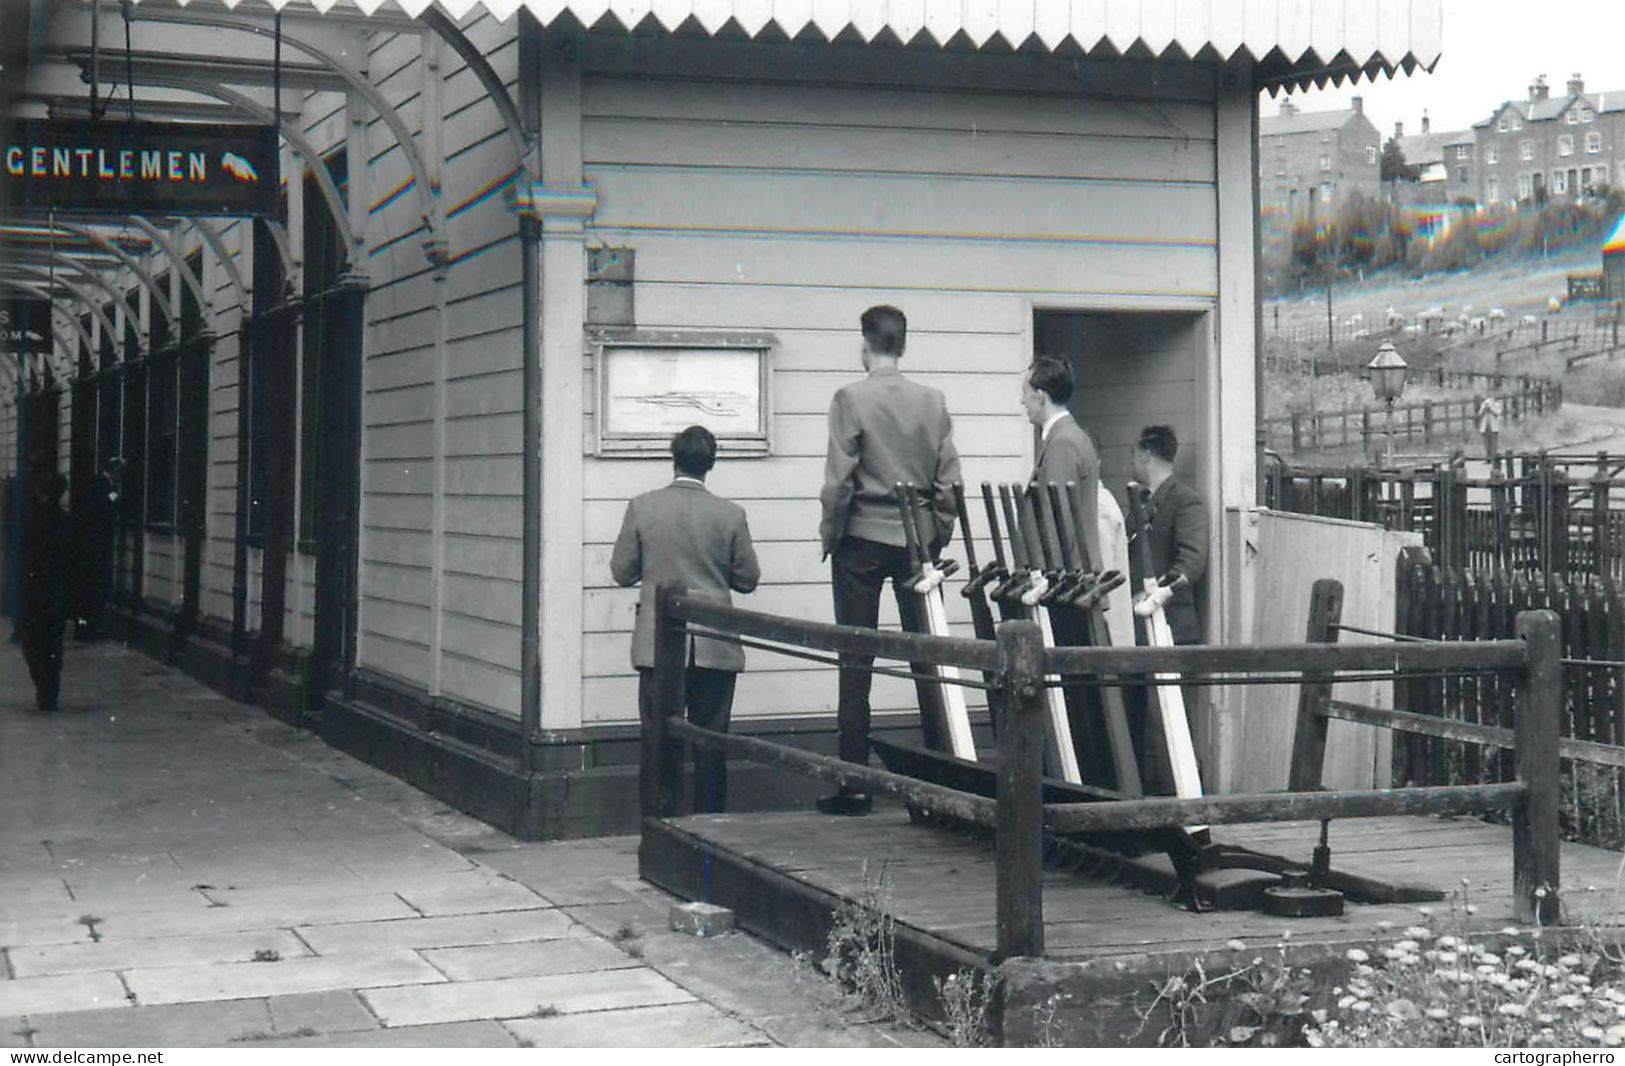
(381, 444)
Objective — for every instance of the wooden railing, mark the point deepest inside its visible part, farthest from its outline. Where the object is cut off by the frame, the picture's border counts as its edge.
(1537, 513)
(1019, 663)
(1370, 427)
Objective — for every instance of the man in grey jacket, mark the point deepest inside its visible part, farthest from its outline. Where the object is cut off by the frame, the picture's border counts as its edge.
(1065, 452)
(883, 429)
(682, 533)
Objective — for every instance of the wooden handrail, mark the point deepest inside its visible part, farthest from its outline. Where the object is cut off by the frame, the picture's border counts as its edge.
(1162, 812)
(1492, 736)
(1289, 659)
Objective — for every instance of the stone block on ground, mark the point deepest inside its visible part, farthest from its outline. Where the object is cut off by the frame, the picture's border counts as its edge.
(701, 919)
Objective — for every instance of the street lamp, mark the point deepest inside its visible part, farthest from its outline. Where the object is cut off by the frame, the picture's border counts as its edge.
(1388, 371)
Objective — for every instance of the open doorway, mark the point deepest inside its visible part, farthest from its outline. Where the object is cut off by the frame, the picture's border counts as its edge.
(1134, 368)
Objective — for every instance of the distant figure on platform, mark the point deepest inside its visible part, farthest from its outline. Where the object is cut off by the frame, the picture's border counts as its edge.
(46, 596)
(1176, 522)
(1065, 452)
(1489, 425)
(682, 533)
(883, 430)
(95, 528)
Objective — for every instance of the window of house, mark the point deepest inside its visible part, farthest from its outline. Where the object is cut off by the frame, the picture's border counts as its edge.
(1325, 162)
(1461, 175)
(1572, 117)
(1325, 136)
(1464, 151)
(1565, 144)
(1560, 182)
(1586, 114)
(1517, 121)
(1526, 150)
(1526, 186)
(1492, 153)
(1593, 142)
(1501, 125)
(1325, 192)
(1492, 190)
(1370, 156)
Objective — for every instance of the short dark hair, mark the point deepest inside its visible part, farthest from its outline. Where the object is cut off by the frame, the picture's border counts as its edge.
(694, 450)
(1160, 441)
(1051, 377)
(885, 329)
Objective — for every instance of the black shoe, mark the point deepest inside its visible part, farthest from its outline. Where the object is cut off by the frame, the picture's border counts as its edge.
(853, 804)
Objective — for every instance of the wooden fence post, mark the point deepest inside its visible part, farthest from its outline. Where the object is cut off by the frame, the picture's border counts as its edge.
(1560, 524)
(1297, 432)
(1020, 826)
(1309, 739)
(1535, 839)
(1599, 518)
(1427, 420)
(660, 770)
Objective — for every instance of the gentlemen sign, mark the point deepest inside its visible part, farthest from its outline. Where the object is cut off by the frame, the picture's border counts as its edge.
(25, 326)
(161, 168)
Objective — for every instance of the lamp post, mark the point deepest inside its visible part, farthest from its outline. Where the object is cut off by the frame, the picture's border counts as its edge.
(1388, 372)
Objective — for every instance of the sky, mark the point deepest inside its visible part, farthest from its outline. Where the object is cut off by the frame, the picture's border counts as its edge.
(1492, 50)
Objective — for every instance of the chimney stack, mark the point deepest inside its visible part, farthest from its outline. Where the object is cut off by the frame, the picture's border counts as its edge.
(1359, 104)
(1424, 121)
(1288, 108)
(1538, 90)
(1399, 129)
(1577, 85)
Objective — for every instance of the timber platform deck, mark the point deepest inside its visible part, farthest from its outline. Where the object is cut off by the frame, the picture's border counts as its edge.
(784, 873)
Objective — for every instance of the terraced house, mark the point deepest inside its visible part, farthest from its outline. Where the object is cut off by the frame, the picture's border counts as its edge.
(380, 433)
(1544, 146)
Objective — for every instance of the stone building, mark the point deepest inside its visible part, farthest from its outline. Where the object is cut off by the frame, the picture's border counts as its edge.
(1311, 162)
(1542, 146)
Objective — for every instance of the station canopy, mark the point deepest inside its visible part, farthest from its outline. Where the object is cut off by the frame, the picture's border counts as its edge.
(1293, 43)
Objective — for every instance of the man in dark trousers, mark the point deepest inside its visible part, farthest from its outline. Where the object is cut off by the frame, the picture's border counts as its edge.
(682, 533)
(1176, 521)
(1065, 452)
(883, 429)
(95, 522)
(45, 602)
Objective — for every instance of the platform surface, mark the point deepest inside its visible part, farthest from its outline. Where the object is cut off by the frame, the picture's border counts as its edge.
(942, 883)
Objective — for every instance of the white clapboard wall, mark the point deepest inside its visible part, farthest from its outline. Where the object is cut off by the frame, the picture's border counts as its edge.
(781, 189)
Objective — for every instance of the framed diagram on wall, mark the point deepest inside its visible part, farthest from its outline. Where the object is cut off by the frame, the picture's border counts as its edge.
(652, 384)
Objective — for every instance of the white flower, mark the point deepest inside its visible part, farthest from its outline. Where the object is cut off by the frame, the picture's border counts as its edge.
(1418, 932)
(1438, 1014)
(1235, 945)
(1513, 949)
(1579, 979)
(1469, 1021)
(1409, 960)
(1357, 955)
(1446, 941)
(1448, 957)
(1426, 912)
(1471, 908)
(1286, 934)
(1363, 970)
(1616, 995)
(1591, 1032)
(1516, 1010)
(1489, 958)
(1385, 924)
(1569, 961)
(1360, 1006)
(1546, 1019)
(1406, 945)
(1528, 965)
(1510, 930)
(1346, 1002)
(1393, 953)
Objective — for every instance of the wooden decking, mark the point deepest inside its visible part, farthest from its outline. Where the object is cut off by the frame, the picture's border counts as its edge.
(783, 872)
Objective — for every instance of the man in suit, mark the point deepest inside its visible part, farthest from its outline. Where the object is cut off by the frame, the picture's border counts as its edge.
(682, 533)
(1065, 452)
(1176, 522)
(95, 521)
(46, 600)
(883, 429)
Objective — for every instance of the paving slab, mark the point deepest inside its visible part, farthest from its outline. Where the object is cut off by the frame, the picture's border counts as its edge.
(78, 991)
(176, 901)
(476, 896)
(486, 962)
(187, 984)
(335, 1011)
(520, 996)
(452, 931)
(179, 1025)
(163, 951)
(30, 932)
(677, 1025)
(370, 906)
(450, 1035)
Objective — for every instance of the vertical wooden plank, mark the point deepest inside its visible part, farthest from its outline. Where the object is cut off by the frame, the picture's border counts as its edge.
(1535, 840)
(1315, 691)
(660, 770)
(1020, 829)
